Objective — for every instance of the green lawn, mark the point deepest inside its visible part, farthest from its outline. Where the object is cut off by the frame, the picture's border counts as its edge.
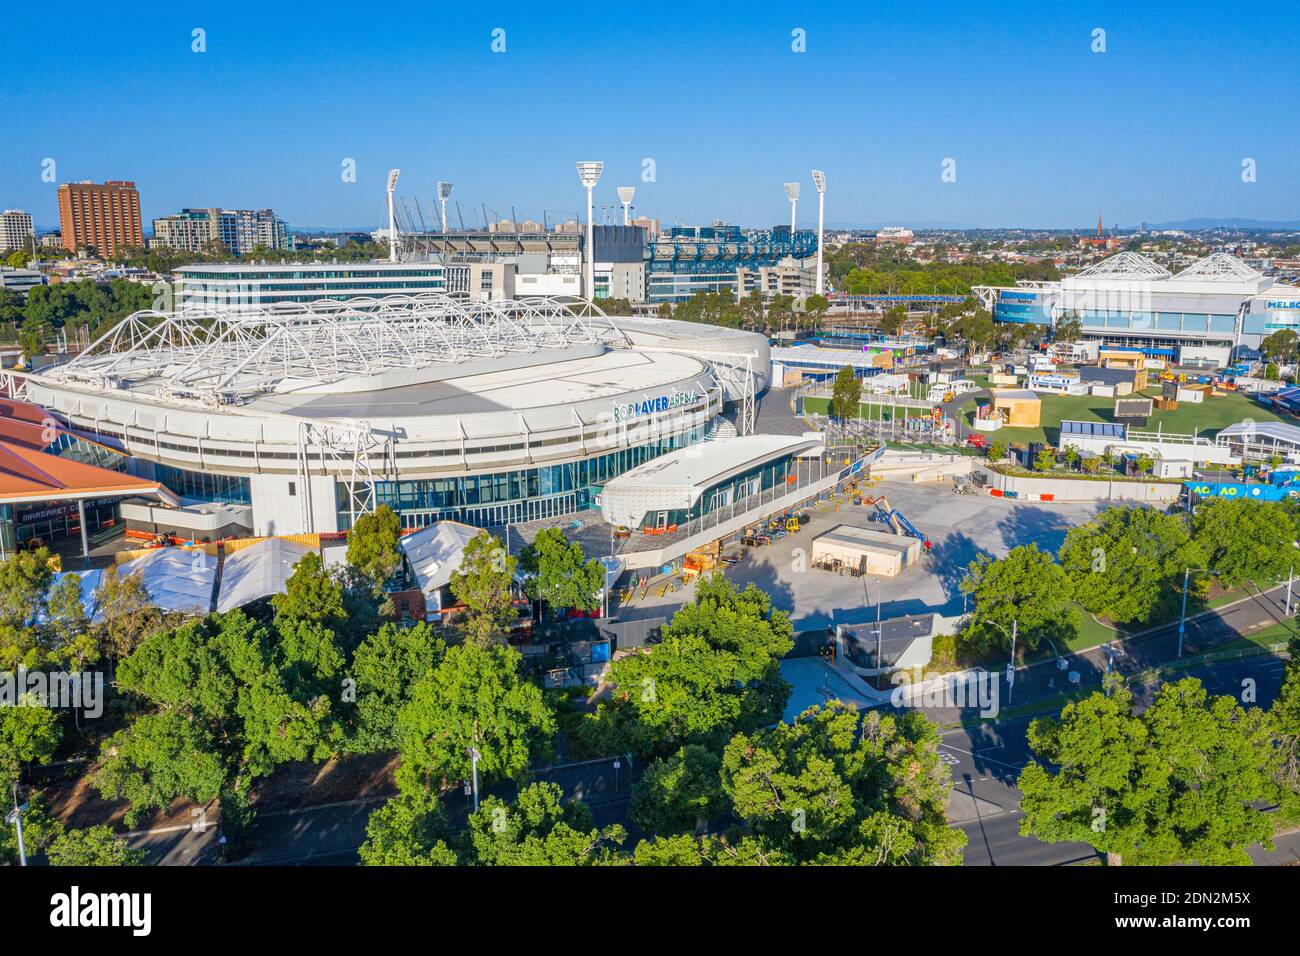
(1205, 419)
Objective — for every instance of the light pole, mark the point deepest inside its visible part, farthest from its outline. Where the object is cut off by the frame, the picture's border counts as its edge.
(1182, 614)
(589, 174)
(792, 190)
(1290, 575)
(625, 195)
(819, 180)
(1011, 665)
(444, 193)
(473, 763)
(392, 217)
(16, 818)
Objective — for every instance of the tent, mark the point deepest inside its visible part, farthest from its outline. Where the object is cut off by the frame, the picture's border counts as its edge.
(257, 571)
(434, 554)
(178, 579)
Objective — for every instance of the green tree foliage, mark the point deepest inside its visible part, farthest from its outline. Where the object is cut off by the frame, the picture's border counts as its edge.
(1179, 783)
(824, 790)
(1127, 563)
(541, 829)
(1026, 587)
(560, 573)
(94, 846)
(482, 583)
(232, 700)
(714, 673)
(476, 698)
(312, 593)
(409, 830)
(1281, 346)
(158, 758)
(29, 733)
(1068, 328)
(1285, 715)
(679, 794)
(387, 666)
(846, 394)
(39, 831)
(1247, 540)
(372, 545)
(128, 616)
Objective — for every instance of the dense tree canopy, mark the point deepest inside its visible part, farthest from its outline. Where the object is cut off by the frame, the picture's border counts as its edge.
(1026, 591)
(1248, 540)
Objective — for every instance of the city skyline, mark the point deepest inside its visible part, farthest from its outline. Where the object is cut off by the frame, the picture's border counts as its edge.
(269, 112)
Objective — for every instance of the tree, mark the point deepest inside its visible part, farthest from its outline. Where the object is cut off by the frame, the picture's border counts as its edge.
(997, 451)
(39, 830)
(1281, 346)
(312, 593)
(846, 394)
(409, 830)
(714, 673)
(24, 580)
(561, 574)
(824, 790)
(541, 829)
(482, 583)
(94, 846)
(1247, 540)
(1068, 328)
(679, 794)
(1179, 783)
(1127, 562)
(372, 545)
(127, 614)
(387, 665)
(475, 698)
(1026, 589)
(158, 758)
(1045, 460)
(69, 641)
(29, 733)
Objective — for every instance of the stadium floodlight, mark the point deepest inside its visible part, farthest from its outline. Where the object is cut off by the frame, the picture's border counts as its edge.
(589, 173)
(392, 217)
(792, 190)
(444, 193)
(819, 180)
(625, 195)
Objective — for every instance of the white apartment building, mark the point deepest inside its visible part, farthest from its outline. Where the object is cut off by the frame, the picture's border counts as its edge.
(16, 230)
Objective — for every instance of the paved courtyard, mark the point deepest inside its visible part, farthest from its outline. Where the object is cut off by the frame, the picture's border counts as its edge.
(960, 526)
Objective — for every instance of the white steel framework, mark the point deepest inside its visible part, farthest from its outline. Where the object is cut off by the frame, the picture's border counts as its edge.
(224, 356)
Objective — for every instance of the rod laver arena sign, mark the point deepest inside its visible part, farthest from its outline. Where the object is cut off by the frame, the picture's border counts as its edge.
(650, 406)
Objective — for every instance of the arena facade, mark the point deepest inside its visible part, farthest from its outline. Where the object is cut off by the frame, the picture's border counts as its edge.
(1208, 314)
(443, 407)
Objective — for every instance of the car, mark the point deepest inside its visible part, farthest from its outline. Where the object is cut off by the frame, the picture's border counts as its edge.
(976, 441)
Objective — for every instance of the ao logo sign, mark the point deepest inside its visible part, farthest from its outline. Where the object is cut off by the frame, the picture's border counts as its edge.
(648, 407)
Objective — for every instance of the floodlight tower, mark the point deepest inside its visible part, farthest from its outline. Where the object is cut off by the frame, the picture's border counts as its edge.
(444, 193)
(392, 218)
(792, 190)
(589, 173)
(625, 195)
(819, 180)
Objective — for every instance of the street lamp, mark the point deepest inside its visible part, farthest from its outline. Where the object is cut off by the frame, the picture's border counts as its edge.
(15, 818)
(392, 217)
(444, 193)
(792, 190)
(1182, 614)
(1011, 665)
(625, 195)
(589, 174)
(473, 763)
(819, 180)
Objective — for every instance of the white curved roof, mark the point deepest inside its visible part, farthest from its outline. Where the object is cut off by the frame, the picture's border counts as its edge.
(258, 571)
(1124, 265)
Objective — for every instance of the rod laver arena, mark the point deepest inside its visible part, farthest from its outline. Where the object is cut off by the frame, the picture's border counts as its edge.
(440, 406)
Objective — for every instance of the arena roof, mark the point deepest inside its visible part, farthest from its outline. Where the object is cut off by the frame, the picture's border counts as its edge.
(695, 468)
(225, 356)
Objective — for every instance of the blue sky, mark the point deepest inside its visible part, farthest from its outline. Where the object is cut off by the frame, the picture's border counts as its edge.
(1044, 131)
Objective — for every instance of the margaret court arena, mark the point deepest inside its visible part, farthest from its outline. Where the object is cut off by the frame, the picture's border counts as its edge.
(490, 413)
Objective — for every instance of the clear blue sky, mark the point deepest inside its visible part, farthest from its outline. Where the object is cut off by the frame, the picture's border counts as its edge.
(1044, 131)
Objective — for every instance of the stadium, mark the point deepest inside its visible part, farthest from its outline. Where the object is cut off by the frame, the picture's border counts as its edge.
(439, 405)
(1204, 315)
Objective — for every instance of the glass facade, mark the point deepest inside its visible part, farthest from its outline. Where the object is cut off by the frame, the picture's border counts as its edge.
(509, 497)
(204, 485)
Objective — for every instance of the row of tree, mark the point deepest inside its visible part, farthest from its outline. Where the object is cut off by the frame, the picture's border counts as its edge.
(1128, 565)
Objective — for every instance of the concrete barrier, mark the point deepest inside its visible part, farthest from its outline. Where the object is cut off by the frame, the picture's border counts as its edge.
(1024, 488)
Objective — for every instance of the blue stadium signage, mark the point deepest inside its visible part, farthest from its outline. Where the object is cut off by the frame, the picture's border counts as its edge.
(653, 406)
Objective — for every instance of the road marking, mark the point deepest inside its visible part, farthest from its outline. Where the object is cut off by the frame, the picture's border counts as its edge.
(1014, 766)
